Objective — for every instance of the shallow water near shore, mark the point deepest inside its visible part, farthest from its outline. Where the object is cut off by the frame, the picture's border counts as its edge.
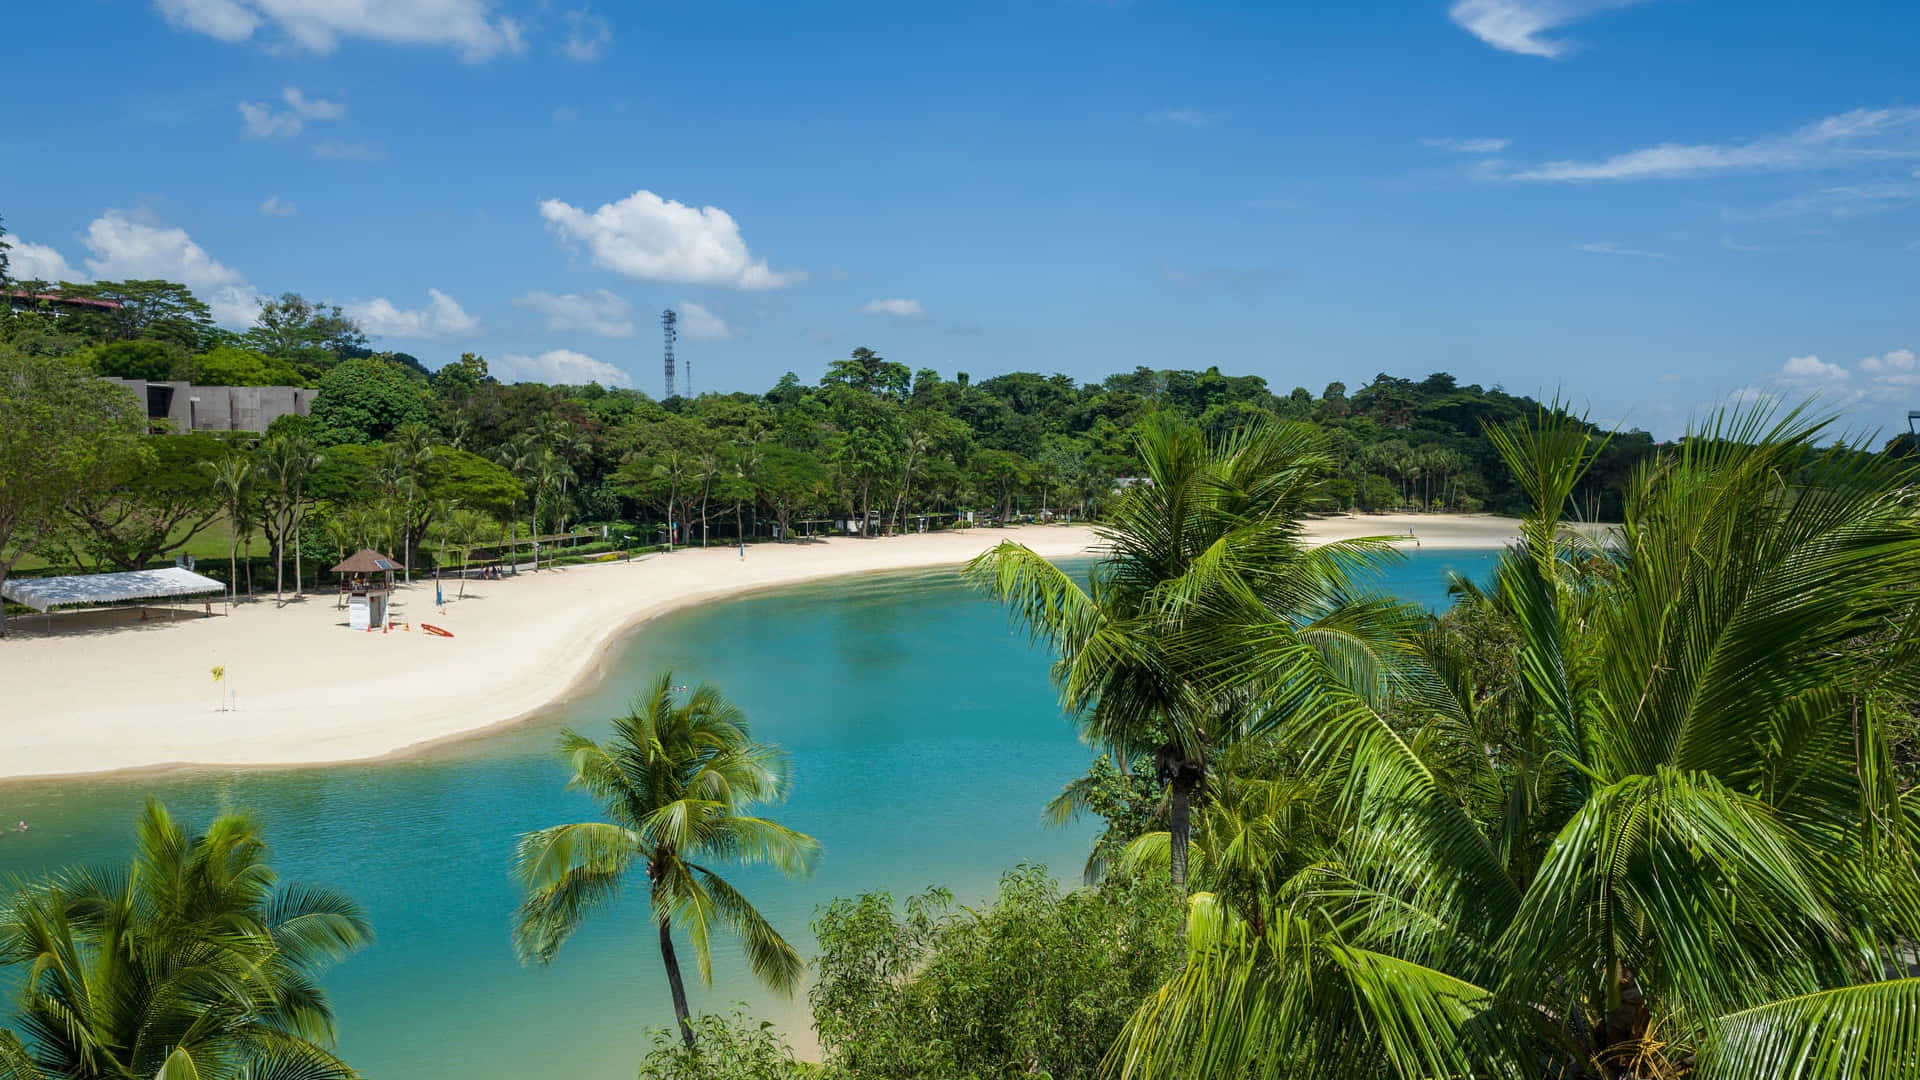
(925, 740)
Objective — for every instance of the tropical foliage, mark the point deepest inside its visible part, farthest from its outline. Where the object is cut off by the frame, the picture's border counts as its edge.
(65, 439)
(1666, 840)
(676, 783)
(733, 1047)
(1210, 537)
(193, 961)
(1040, 983)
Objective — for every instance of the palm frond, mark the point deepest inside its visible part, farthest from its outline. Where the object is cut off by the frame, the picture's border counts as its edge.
(1866, 1032)
(567, 872)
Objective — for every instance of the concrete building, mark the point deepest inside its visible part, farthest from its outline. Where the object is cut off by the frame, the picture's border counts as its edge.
(219, 408)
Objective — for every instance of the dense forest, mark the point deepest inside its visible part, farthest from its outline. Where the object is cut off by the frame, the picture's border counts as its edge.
(400, 457)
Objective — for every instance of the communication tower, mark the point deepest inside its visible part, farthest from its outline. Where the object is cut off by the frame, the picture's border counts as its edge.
(669, 327)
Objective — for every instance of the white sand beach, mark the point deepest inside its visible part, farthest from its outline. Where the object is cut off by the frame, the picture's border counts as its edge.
(108, 692)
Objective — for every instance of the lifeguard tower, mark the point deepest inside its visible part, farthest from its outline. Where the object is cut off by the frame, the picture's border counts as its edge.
(366, 580)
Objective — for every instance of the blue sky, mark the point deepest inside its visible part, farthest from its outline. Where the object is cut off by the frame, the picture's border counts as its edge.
(1648, 205)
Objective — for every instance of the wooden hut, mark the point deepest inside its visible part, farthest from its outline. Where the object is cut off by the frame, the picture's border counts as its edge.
(366, 581)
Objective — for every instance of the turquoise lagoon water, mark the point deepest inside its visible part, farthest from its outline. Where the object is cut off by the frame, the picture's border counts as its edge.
(925, 740)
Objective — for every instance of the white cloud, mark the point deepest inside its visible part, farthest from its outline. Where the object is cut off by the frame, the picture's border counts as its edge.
(1889, 378)
(562, 366)
(38, 262)
(565, 116)
(599, 312)
(587, 36)
(1516, 26)
(699, 324)
(260, 120)
(1836, 140)
(125, 248)
(275, 206)
(469, 27)
(1608, 247)
(335, 150)
(654, 239)
(312, 108)
(1183, 117)
(1897, 367)
(898, 308)
(442, 317)
(1467, 146)
(1811, 371)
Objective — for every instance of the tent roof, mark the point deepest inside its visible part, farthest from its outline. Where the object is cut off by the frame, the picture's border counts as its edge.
(43, 593)
(366, 561)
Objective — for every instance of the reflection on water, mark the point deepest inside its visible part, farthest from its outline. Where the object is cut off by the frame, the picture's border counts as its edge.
(925, 740)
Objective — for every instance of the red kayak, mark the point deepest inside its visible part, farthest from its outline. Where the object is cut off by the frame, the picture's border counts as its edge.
(436, 631)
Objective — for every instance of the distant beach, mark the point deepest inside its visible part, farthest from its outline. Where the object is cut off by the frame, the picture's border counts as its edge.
(124, 694)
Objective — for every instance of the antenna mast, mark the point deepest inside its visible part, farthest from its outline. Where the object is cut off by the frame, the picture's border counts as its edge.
(670, 329)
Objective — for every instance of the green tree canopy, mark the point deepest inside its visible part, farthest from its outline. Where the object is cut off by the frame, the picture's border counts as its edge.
(363, 400)
(1040, 983)
(158, 310)
(64, 436)
(159, 508)
(231, 365)
(154, 361)
(294, 329)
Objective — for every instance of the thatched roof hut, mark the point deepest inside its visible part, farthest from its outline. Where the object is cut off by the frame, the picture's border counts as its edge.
(366, 579)
(366, 561)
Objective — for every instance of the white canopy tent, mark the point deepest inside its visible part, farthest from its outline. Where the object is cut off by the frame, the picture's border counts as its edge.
(46, 593)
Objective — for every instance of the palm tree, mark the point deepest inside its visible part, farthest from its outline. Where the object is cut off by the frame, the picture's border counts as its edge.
(285, 460)
(1678, 849)
(232, 476)
(441, 512)
(552, 473)
(341, 529)
(470, 528)
(191, 962)
(1209, 538)
(708, 465)
(676, 783)
(675, 468)
(914, 446)
(412, 447)
(572, 445)
(521, 456)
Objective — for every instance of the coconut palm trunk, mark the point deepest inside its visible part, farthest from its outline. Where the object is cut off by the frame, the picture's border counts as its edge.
(681, 1012)
(1183, 786)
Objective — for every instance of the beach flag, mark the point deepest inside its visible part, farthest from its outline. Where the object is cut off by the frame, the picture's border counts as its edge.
(438, 600)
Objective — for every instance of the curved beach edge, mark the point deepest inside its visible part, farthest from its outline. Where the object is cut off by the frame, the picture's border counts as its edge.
(124, 696)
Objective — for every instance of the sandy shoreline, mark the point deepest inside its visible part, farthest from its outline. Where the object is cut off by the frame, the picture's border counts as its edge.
(139, 695)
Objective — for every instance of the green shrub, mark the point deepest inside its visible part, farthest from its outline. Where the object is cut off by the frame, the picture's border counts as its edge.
(1040, 983)
(734, 1047)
